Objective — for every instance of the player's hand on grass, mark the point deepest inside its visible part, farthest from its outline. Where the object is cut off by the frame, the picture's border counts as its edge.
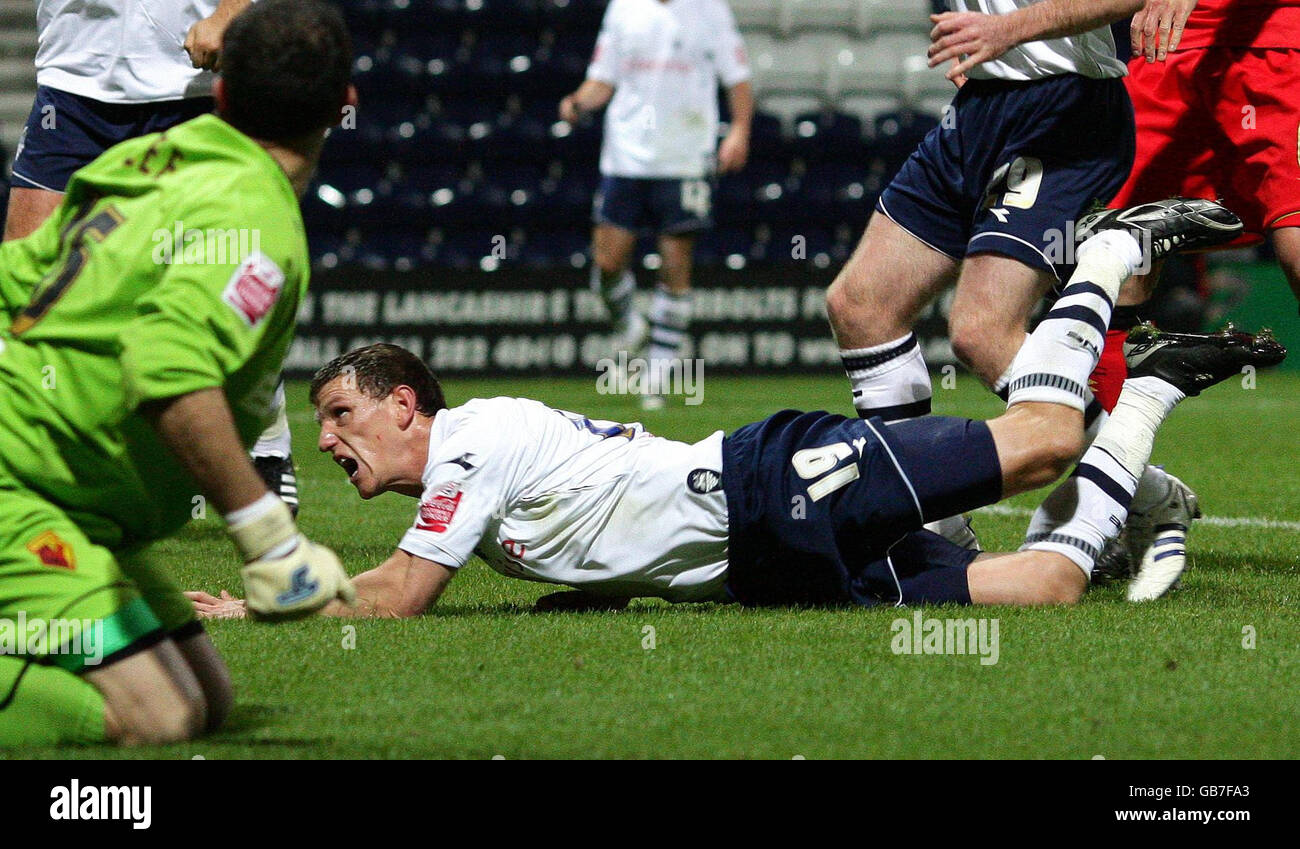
(286, 575)
(1158, 27)
(208, 606)
(982, 38)
(733, 153)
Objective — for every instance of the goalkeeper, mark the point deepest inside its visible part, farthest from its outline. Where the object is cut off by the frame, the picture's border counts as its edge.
(138, 355)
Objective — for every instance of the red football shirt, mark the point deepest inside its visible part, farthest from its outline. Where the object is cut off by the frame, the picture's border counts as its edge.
(1243, 23)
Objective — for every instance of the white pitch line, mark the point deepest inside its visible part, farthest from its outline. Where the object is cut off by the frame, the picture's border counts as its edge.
(1217, 521)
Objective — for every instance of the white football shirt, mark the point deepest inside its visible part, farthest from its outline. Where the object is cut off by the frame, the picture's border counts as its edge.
(552, 496)
(120, 51)
(1091, 54)
(665, 61)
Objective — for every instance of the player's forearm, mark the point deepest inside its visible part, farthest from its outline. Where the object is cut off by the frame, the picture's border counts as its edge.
(592, 95)
(399, 588)
(200, 431)
(740, 100)
(1061, 18)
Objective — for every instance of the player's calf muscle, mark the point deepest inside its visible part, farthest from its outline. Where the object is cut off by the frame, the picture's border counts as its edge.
(1026, 578)
(213, 677)
(150, 698)
(1036, 443)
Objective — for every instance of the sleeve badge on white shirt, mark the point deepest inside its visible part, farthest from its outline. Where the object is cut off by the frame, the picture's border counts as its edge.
(437, 510)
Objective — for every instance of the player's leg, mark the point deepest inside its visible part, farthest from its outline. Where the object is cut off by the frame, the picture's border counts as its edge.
(670, 313)
(1042, 431)
(150, 575)
(1025, 578)
(618, 211)
(1071, 528)
(104, 668)
(28, 209)
(272, 454)
(54, 143)
(1286, 244)
(873, 304)
(678, 209)
(150, 697)
(990, 310)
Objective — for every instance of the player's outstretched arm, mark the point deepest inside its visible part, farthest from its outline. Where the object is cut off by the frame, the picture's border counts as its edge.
(401, 587)
(983, 38)
(285, 574)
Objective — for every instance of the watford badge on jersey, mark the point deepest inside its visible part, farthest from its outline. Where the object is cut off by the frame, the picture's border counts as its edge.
(52, 551)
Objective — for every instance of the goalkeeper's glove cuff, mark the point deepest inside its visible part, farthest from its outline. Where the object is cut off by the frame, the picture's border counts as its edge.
(264, 529)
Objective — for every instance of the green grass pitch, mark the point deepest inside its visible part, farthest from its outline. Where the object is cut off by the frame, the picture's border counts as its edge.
(482, 676)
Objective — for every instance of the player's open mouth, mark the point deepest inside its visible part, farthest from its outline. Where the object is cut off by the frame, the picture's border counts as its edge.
(349, 465)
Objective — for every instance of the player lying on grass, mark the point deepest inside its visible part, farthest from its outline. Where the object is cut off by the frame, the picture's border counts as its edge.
(128, 385)
(802, 508)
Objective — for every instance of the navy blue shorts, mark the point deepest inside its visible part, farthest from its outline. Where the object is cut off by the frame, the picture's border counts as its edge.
(65, 132)
(660, 205)
(820, 504)
(1013, 166)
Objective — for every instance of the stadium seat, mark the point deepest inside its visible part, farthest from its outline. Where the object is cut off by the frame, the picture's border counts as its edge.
(518, 137)
(906, 15)
(573, 14)
(898, 134)
(394, 248)
(797, 15)
(876, 66)
(809, 62)
(934, 105)
(840, 191)
(757, 15)
(867, 108)
(786, 108)
(484, 14)
(767, 136)
(921, 82)
(795, 244)
(745, 196)
(565, 248)
(826, 134)
(762, 50)
(719, 244)
(575, 142)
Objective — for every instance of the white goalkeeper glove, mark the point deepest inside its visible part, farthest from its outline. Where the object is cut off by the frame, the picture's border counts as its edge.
(286, 575)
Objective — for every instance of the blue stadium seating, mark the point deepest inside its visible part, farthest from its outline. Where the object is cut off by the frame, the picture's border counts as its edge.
(457, 139)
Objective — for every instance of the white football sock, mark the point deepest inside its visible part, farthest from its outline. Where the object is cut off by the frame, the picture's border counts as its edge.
(1090, 507)
(617, 291)
(1053, 366)
(670, 318)
(889, 380)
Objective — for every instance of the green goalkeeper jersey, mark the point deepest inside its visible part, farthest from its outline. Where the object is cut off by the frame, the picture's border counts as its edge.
(175, 263)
